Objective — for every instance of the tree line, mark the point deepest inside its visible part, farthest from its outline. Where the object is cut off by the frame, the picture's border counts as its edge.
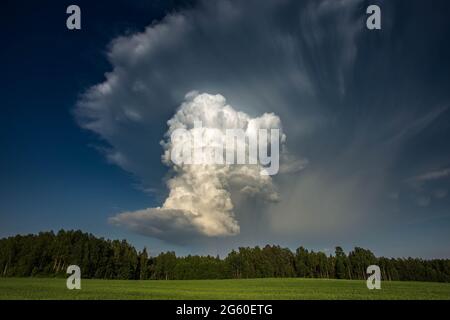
(49, 254)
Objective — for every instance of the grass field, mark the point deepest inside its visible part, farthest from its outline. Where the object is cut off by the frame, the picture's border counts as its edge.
(43, 288)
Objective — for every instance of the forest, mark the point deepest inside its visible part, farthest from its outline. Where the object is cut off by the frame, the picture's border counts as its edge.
(49, 254)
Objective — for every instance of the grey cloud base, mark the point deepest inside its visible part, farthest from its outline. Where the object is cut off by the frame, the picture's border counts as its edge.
(167, 224)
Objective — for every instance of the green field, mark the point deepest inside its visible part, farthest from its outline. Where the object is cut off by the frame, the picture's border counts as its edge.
(45, 288)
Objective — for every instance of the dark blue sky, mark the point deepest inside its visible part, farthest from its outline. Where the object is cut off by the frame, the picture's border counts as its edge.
(54, 176)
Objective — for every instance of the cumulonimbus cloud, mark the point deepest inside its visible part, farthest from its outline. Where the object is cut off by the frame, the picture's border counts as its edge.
(278, 66)
(199, 199)
(312, 63)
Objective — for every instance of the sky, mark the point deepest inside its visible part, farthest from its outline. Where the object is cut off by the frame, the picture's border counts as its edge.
(365, 115)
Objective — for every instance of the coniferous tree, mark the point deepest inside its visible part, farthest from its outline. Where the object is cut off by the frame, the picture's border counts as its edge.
(49, 254)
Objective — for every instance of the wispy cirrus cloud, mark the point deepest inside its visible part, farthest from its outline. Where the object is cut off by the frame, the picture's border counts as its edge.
(430, 176)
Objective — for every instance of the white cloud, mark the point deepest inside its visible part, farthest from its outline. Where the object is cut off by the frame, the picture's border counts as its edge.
(290, 58)
(431, 175)
(264, 56)
(200, 194)
(421, 186)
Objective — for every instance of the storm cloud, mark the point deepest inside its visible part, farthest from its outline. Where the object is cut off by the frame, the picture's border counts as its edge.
(200, 193)
(349, 115)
